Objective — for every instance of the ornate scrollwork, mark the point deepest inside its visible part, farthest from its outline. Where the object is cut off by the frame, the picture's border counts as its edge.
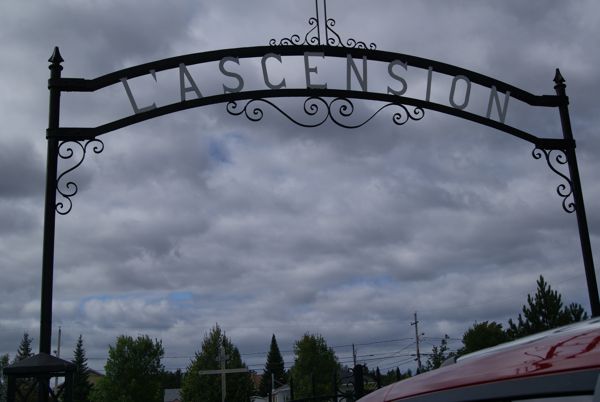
(321, 35)
(336, 40)
(68, 150)
(319, 110)
(556, 158)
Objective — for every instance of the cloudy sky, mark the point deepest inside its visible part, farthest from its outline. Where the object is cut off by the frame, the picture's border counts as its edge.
(201, 217)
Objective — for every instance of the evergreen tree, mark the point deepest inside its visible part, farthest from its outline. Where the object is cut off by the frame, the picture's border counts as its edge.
(24, 350)
(133, 371)
(314, 361)
(275, 367)
(207, 388)
(394, 375)
(25, 385)
(81, 384)
(544, 311)
(482, 335)
(3, 384)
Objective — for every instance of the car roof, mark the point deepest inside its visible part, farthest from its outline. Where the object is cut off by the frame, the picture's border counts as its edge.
(567, 349)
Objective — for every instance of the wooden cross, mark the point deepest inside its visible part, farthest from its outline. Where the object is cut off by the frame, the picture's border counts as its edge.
(223, 371)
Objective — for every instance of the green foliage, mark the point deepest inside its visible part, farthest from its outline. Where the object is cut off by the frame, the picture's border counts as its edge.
(171, 379)
(133, 371)
(544, 311)
(482, 335)
(393, 376)
(314, 360)
(3, 363)
(439, 354)
(24, 350)
(207, 388)
(81, 384)
(273, 366)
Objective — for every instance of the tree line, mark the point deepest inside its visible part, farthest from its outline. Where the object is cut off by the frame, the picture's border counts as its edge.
(544, 310)
(134, 370)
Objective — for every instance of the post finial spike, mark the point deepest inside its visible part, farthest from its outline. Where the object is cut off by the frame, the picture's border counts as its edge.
(558, 78)
(56, 58)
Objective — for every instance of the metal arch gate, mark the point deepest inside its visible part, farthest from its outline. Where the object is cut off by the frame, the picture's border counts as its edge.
(320, 104)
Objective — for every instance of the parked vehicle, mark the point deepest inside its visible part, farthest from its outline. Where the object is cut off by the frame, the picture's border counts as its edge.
(560, 365)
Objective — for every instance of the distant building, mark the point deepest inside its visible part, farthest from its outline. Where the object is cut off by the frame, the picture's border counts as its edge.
(281, 394)
(94, 376)
(172, 395)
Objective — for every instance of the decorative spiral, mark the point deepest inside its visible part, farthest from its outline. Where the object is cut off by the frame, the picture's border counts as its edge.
(555, 158)
(319, 110)
(68, 150)
(313, 37)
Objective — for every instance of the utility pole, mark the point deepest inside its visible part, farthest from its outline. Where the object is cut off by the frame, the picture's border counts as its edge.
(416, 324)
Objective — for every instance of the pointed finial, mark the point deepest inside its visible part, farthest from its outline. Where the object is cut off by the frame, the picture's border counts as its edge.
(56, 58)
(558, 78)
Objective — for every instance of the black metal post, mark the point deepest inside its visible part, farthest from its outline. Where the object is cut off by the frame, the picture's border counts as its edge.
(335, 384)
(11, 391)
(359, 388)
(68, 387)
(49, 216)
(50, 207)
(584, 234)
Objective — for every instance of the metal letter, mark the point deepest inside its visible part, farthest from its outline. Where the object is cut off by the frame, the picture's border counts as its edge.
(467, 92)
(264, 71)
(350, 66)
(429, 76)
(308, 69)
(397, 77)
(184, 73)
(136, 109)
(238, 77)
(495, 98)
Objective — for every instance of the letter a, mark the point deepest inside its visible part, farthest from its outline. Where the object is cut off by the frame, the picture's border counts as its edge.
(183, 74)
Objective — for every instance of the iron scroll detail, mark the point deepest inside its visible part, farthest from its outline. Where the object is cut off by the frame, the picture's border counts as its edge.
(556, 158)
(322, 33)
(69, 150)
(319, 110)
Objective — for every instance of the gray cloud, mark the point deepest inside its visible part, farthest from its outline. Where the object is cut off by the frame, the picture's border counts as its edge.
(202, 217)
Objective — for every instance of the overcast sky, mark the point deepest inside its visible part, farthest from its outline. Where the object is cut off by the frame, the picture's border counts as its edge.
(201, 217)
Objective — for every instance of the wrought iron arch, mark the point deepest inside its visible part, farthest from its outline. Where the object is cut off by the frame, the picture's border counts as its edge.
(320, 104)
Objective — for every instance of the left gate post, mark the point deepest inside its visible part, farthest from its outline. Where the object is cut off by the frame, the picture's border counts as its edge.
(49, 215)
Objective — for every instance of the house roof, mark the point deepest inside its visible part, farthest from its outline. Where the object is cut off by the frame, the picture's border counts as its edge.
(172, 395)
(42, 363)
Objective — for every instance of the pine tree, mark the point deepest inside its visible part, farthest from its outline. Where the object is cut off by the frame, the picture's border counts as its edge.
(25, 385)
(24, 350)
(81, 383)
(275, 367)
(544, 311)
(207, 388)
